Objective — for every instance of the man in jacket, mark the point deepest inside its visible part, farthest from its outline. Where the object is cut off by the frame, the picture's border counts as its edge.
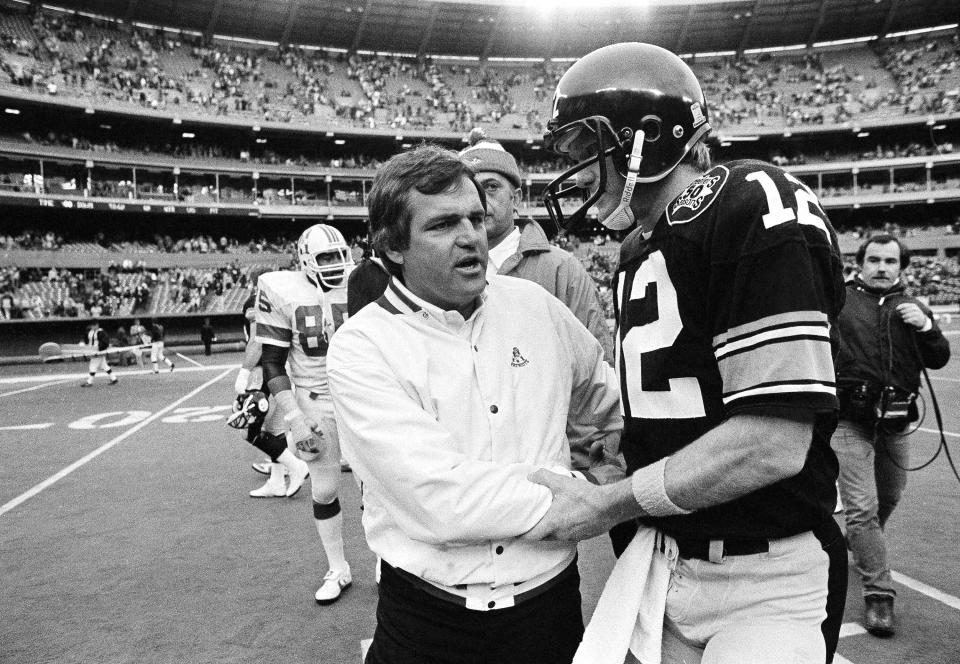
(887, 338)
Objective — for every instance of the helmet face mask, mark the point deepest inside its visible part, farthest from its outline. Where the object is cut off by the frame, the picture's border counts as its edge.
(598, 131)
(324, 255)
(640, 105)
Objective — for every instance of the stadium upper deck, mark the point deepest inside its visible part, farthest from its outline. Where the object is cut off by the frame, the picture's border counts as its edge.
(118, 64)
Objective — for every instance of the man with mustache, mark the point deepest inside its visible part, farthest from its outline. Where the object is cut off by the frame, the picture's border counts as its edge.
(886, 340)
(449, 391)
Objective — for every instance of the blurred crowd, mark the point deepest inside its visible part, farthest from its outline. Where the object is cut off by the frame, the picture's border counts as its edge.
(64, 293)
(56, 53)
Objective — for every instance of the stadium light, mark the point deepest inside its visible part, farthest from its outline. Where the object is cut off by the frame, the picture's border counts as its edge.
(188, 134)
(339, 141)
(12, 111)
(863, 134)
(261, 141)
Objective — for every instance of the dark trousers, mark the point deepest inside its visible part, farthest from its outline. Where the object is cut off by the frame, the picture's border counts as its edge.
(414, 627)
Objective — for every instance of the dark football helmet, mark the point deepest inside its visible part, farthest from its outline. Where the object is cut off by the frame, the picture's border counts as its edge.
(249, 408)
(639, 104)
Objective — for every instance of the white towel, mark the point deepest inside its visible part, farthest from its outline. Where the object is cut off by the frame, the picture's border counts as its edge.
(629, 614)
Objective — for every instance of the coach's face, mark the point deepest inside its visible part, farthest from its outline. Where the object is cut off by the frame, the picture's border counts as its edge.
(446, 260)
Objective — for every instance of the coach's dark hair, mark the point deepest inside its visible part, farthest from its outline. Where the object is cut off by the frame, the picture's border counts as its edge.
(884, 238)
(429, 169)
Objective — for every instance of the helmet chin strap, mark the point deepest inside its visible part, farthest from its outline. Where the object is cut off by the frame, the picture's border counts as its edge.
(623, 218)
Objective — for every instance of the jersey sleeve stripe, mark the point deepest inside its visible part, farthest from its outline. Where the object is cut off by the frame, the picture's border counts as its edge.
(784, 361)
(781, 389)
(790, 318)
(271, 334)
(780, 335)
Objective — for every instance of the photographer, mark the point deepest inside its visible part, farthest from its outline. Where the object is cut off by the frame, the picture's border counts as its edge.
(886, 339)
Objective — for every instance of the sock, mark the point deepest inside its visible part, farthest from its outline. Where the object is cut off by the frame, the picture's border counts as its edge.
(276, 475)
(90, 379)
(331, 536)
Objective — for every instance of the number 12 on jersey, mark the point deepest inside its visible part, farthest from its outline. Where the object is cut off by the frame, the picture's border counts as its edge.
(682, 398)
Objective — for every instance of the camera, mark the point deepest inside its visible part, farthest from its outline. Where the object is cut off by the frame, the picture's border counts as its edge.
(894, 404)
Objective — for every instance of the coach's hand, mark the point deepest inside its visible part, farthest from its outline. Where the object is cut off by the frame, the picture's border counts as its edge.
(580, 510)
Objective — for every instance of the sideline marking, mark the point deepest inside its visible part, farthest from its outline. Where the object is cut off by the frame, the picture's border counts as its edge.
(27, 427)
(929, 591)
(13, 380)
(840, 659)
(189, 360)
(948, 380)
(851, 629)
(36, 387)
(937, 431)
(103, 448)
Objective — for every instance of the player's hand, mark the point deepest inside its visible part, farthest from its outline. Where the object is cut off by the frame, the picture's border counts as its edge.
(578, 511)
(912, 314)
(306, 437)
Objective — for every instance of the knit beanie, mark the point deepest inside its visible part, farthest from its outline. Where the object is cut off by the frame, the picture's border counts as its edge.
(485, 154)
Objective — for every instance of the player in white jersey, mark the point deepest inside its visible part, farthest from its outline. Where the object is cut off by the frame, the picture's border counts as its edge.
(296, 313)
(265, 431)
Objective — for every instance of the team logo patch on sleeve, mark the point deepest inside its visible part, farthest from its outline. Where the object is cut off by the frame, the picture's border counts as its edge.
(697, 197)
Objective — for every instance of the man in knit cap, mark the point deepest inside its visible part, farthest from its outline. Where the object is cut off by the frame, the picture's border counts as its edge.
(519, 248)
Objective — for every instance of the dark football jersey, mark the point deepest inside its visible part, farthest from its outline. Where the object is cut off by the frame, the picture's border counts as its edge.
(728, 307)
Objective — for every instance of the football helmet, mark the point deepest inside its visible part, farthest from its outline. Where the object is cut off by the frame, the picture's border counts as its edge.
(248, 408)
(324, 255)
(637, 103)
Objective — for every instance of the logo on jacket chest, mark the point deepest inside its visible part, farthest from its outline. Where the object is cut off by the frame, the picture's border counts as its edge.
(518, 359)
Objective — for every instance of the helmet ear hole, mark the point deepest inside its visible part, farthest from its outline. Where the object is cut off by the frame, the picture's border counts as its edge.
(652, 127)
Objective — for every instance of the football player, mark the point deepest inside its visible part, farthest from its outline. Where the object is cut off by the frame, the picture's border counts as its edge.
(295, 315)
(154, 336)
(265, 430)
(98, 340)
(726, 294)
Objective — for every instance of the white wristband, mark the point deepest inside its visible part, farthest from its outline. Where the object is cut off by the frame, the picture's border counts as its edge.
(243, 379)
(650, 492)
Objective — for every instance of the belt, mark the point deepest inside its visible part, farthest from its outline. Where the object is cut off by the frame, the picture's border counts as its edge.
(503, 602)
(714, 550)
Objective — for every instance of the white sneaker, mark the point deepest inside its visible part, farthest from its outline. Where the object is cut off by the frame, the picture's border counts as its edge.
(270, 490)
(334, 583)
(298, 474)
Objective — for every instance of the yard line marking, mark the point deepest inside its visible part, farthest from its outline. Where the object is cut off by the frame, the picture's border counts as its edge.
(103, 448)
(189, 360)
(36, 387)
(13, 380)
(929, 591)
(27, 427)
(949, 380)
(937, 431)
(851, 629)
